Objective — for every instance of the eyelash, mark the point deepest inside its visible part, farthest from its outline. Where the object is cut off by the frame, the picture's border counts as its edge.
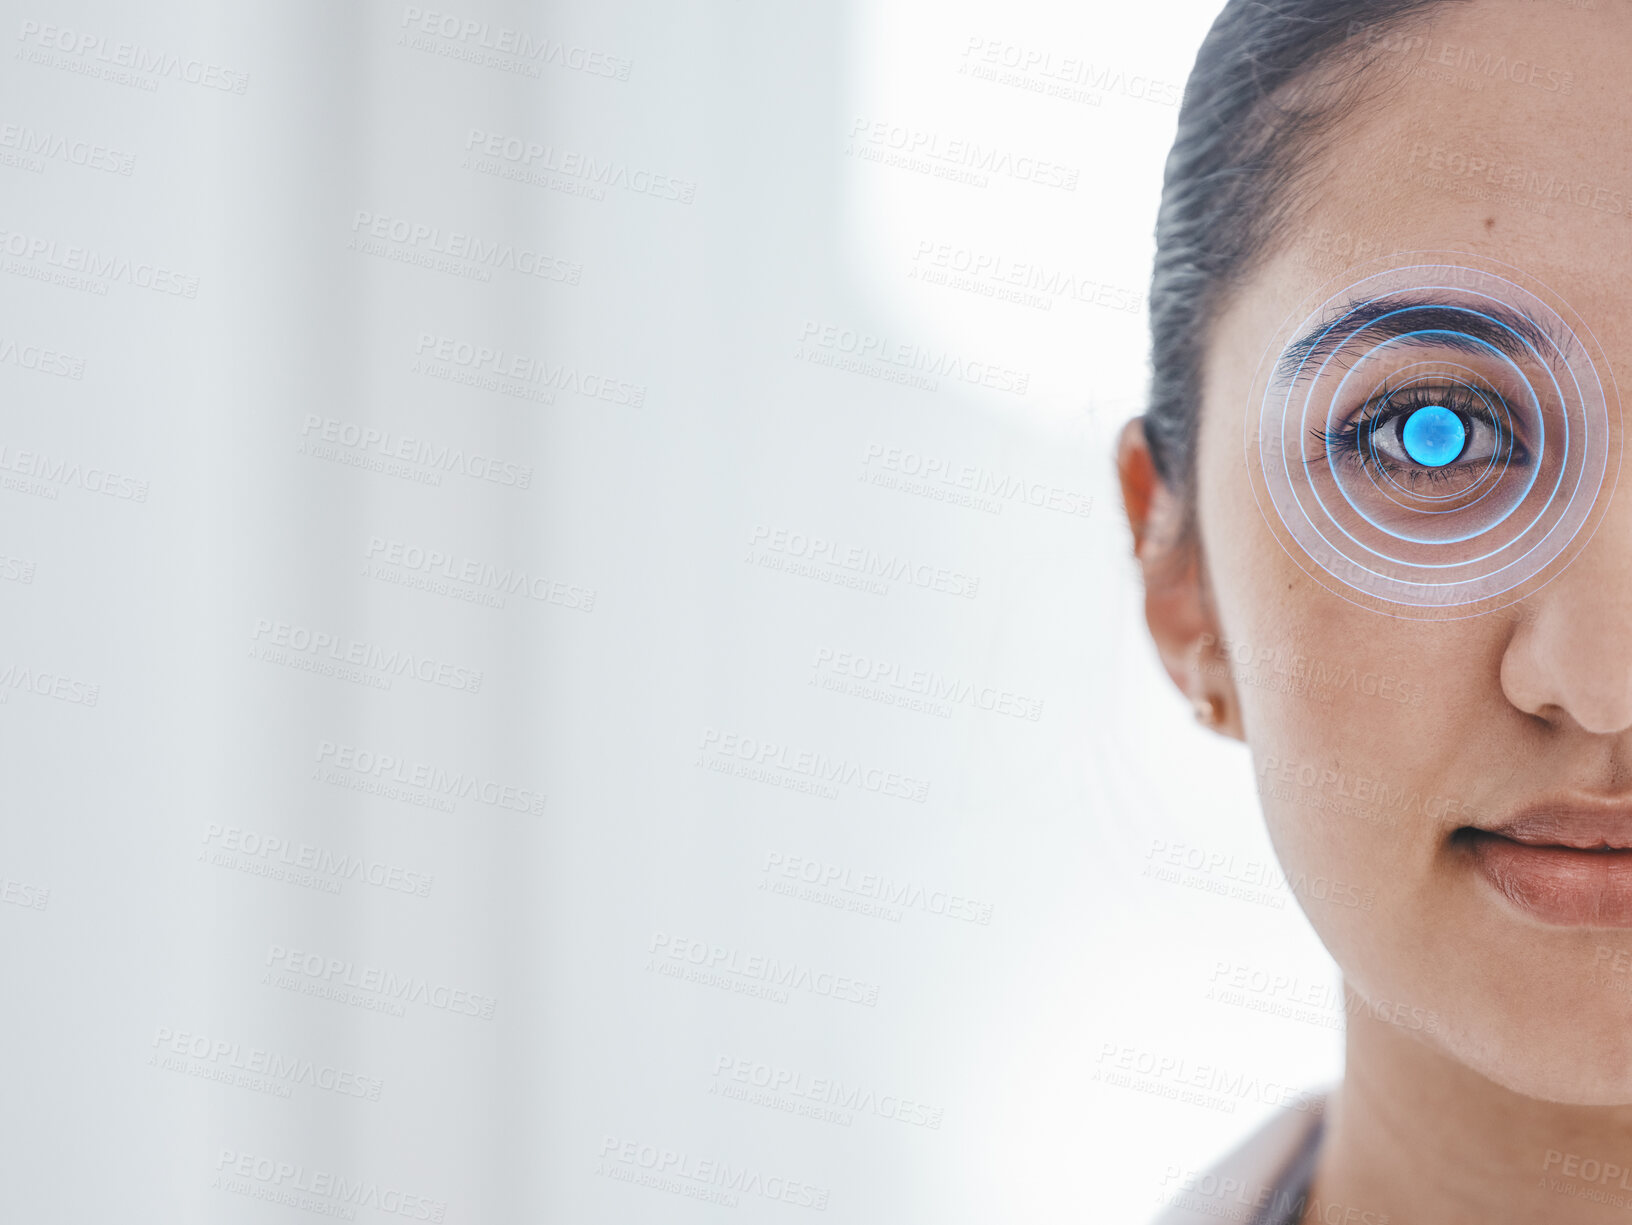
(1343, 445)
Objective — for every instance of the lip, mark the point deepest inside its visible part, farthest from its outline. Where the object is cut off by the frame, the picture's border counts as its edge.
(1567, 864)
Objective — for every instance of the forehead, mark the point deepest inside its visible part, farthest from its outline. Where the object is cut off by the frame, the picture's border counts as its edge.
(1498, 128)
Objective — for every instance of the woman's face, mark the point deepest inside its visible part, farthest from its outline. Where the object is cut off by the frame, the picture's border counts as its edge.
(1501, 132)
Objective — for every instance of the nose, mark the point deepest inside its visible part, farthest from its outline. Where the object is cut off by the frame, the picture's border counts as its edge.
(1573, 661)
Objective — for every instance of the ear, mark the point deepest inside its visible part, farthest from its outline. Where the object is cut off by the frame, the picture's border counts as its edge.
(1177, 610)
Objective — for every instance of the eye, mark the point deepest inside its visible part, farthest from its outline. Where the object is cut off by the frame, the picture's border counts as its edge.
(1433, 435)
(1437, 439)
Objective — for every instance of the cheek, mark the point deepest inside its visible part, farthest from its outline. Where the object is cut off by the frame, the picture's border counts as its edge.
(1355, 721)
(1373, 739)
(1355, 829)
(1359, 798)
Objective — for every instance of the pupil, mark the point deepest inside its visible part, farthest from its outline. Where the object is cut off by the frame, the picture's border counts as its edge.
(1433, 436)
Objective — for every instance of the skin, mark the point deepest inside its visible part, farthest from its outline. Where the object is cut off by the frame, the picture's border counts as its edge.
(1529, 1058)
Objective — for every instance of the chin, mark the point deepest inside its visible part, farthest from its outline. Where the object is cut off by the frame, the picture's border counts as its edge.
(1559, 1056)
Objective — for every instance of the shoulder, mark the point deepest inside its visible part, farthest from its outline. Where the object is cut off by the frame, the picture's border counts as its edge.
(1263, 1180)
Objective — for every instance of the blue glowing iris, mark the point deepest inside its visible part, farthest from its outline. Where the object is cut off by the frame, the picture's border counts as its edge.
(1433, 436)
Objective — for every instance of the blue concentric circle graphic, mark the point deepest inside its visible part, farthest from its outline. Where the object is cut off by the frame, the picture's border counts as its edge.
(1433, 435)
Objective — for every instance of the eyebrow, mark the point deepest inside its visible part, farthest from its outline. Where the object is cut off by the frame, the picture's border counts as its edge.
(1419, 319)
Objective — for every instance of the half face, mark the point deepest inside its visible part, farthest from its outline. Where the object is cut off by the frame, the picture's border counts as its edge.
(1407, 503)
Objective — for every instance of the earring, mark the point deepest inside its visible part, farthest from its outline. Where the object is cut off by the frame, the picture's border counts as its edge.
(1209, 710)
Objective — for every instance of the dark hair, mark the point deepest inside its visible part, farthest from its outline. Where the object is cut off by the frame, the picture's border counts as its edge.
(1247, 135)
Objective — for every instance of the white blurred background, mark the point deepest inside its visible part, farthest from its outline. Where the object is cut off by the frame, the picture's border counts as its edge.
(568, 651)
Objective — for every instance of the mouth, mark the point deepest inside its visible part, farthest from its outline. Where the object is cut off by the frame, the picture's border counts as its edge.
(1567, 864)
